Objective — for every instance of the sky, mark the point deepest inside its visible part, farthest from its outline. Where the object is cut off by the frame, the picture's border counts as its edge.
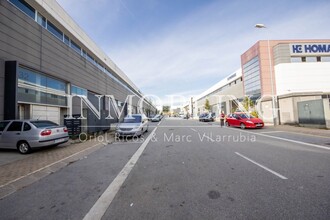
(183, 47)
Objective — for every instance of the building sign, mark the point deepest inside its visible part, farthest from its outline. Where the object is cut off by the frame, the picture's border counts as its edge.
(310, 49)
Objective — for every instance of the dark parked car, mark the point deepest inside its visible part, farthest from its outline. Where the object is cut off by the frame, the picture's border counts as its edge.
(202, 116)
(208, 117)
(24, 135)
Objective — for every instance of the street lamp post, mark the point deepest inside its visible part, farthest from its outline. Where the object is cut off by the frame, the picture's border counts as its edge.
(271, 76)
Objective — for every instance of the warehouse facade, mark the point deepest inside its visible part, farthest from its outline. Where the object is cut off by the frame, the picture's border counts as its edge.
(296, 73)
(45, 58)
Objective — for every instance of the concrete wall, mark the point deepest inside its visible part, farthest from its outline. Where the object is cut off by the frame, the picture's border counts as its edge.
(302, 77)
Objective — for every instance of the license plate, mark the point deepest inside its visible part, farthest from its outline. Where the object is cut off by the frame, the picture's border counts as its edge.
(59, 140)
(259, 125)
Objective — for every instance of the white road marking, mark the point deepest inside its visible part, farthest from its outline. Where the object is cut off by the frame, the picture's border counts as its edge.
(288, 140)
(193, 130)
(269, 132)
(102, 204)
(262, 166)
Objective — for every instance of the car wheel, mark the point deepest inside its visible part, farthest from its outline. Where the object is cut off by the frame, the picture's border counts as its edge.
(243, 126)
(23, 147)
(227, 124)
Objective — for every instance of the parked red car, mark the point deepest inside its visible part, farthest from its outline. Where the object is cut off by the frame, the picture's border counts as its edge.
(243, 121)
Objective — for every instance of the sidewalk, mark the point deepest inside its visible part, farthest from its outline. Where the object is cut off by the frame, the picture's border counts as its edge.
(23, 172)
(302, 130)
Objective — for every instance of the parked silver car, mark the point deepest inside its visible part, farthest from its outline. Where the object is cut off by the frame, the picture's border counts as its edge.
(156, 118)
(133, 125)
(24, 135)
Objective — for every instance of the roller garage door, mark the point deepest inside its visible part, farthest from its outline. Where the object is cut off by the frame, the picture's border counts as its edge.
(46, 113)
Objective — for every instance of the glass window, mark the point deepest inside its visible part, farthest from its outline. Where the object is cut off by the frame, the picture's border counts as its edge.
(25, 7)
(56, 84)
(310, 59)
(28, 77)
(15, 126)
(41, 20)
(26, 127)
(295, 59)
(75, 90)
(252, 76)
(90, 58)
(54, 30)
(84, 54)
(66, 40)
(325, 59)
(75, 47)
(43, 124)
(3, 125)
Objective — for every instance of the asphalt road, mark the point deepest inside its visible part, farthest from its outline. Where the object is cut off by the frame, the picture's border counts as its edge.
(187, 169)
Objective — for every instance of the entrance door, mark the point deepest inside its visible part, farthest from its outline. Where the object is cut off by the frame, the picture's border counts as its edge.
(46, 113)
(311, 112)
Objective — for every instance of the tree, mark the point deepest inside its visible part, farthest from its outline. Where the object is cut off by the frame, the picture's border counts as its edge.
(247, 103)
(207, 105)
(166, 108)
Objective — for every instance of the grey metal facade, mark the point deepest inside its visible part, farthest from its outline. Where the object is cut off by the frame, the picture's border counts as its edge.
(23, 40)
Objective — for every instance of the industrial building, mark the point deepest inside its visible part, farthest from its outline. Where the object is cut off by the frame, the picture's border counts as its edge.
(289, 79)
(45, 57)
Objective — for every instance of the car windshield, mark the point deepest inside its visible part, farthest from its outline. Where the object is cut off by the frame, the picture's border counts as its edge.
(132, 119)
(245, 116)
(43, 124)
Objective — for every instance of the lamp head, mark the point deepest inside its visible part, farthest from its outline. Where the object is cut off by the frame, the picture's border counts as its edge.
(260, 26)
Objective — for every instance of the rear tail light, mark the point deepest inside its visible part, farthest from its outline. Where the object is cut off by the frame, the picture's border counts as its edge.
(65, 129)
(46, 132)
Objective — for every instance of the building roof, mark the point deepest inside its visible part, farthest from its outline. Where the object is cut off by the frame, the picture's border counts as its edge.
(230, 78)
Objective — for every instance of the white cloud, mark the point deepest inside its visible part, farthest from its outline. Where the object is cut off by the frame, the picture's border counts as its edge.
(198, 51)
(202, 46)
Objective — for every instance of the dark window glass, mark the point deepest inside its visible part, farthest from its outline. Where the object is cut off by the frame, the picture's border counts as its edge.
(25, 7)
(133, 119)
(3, 125)
(54, 30)
(66, 40)
(90, 58)
(84, 54)
(318, 59)
(75, 47)
(15, 126)
(26, 127)
(43, 124)
(41, 20)
(55, 84)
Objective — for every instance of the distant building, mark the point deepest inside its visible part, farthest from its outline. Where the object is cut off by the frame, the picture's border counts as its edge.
(222, 96)
(299, 70)
(297, 74)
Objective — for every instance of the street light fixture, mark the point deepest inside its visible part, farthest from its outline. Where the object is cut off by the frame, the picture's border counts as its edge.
(271, 75)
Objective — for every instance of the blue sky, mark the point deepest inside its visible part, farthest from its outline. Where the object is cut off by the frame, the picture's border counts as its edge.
(185, 46)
